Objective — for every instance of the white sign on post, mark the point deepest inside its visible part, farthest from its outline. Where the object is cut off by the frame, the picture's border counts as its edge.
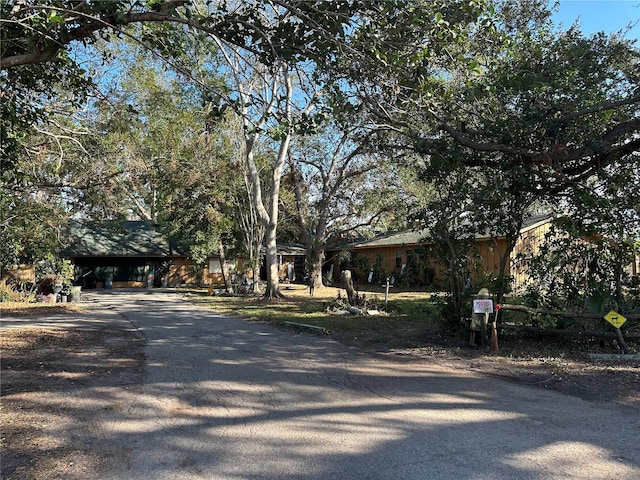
(483, 306)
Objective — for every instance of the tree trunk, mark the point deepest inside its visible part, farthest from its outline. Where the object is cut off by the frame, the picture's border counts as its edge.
(226, 278)
(256, 286)
(351, 291)
(281, 88)
(504, 263)
(312, 241)
(273, 280)
(315, 273)
(456, 300)
(456, 281)
(314, 262)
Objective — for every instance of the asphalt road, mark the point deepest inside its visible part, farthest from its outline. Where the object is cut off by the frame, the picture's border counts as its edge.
(222, 398)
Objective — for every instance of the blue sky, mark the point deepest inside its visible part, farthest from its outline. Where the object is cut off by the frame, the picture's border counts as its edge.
(600, 15)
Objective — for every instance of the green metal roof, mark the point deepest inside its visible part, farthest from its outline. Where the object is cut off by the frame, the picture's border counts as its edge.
(417, 237)
(410, 237)
(118, 239)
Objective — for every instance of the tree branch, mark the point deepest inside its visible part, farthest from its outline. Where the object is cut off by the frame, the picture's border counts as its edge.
(93, 24)
(487, 147)
(600, 108)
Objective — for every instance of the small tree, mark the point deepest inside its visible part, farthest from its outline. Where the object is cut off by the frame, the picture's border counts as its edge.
(450, 227)
(52, 271)
(583, 261)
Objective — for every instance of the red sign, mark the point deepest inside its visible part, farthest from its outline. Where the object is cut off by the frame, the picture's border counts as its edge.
(498, 306)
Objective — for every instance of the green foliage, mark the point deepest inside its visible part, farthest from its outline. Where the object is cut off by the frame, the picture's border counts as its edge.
(501, 283)
(582, 264)
(556, 105)
(574, 271)
(379, 273)
(30, 227)
(6, 293)
(54, 275)
(56, 270)
(361, 264)
(448, 221)
(534, 110)
(499, 109)
(518, 115)
(42, 41)
(451, 312)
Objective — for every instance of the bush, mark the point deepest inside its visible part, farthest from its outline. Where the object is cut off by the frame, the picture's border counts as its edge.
(47, 284)
(6, 293)
(9, 293)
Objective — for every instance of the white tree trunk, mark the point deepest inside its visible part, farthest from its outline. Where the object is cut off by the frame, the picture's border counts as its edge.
(273, 280)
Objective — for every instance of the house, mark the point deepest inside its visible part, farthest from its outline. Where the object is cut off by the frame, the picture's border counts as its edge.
(407, 254)
(134, 254)
(131, 254)
(291, 262)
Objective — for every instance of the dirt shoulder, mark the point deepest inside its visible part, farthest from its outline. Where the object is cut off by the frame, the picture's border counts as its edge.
(555, 363)
(45, 419)
(604, 382)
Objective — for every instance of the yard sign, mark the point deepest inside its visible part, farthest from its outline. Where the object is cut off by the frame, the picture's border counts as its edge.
(615, 319)
(483, 306)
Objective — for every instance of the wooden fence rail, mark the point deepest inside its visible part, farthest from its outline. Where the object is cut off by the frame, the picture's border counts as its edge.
(564, 314)
(556, 313)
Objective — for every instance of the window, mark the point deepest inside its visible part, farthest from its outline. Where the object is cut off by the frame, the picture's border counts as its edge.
(214, 265)
(399, 255)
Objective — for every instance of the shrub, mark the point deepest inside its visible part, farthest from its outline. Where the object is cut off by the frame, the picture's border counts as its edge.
(6, 293)
(47, 284)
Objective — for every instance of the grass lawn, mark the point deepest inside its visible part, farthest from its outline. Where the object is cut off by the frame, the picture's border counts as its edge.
(408, 314)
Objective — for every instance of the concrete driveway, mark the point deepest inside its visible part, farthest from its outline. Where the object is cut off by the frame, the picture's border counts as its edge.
(222, 398)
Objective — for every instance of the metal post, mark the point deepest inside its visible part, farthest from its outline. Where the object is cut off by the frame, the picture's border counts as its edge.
(386, 293)
(493, 346)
